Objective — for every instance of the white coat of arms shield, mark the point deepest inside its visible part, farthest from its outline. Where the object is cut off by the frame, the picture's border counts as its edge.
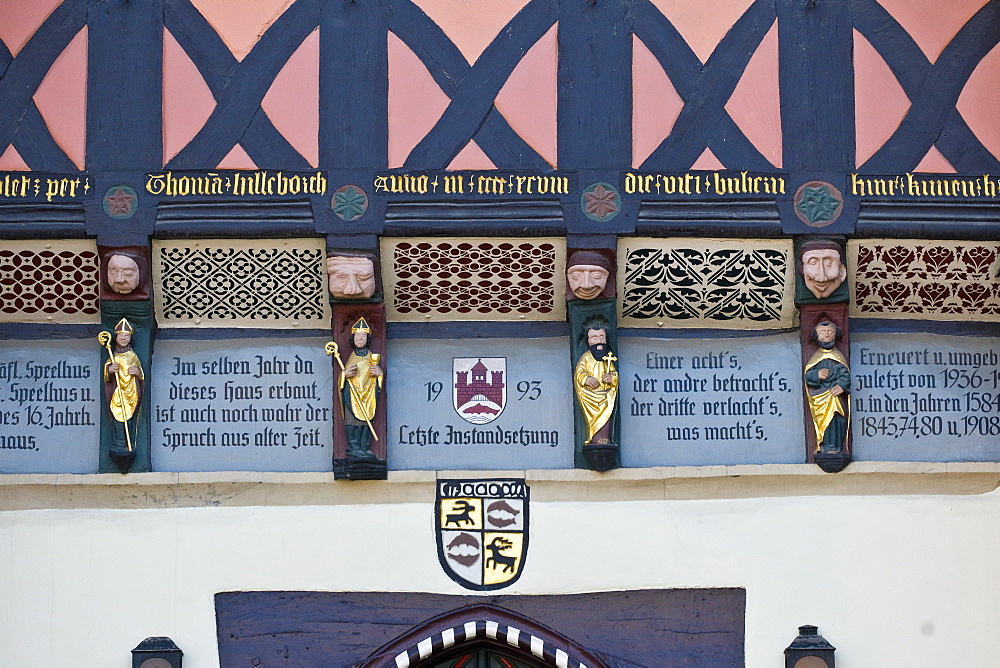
(482, 531)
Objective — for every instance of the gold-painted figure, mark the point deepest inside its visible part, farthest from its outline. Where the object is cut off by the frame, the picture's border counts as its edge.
(123, 385)
(596, 383)
(359, 384)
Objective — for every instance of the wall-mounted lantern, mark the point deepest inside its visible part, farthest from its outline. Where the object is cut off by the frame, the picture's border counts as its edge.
(809, 650)
(159, 652)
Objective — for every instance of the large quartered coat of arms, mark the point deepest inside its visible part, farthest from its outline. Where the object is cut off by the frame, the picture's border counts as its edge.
(479, 392)
(482, 531)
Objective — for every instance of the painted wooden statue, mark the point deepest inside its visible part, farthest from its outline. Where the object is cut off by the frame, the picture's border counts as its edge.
(595, 380)
(827, 378)
(123, 387)
(360, 383)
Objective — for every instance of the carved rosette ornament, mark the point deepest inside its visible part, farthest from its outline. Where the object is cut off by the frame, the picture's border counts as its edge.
(601, 202)
(120, 202)
(818, 203)
(349, 203)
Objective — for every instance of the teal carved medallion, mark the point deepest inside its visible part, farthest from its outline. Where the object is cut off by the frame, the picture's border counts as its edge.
(818, 203)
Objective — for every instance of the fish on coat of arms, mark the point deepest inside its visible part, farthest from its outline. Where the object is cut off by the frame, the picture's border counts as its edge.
(482, 531)
(479, 393)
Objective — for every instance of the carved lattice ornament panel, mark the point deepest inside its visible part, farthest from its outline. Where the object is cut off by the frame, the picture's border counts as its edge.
(431, 279)
(49, 281)
(240, 283)
(708, 283)
(925, 279)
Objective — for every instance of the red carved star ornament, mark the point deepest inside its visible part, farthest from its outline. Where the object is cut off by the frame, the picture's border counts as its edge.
(119, 203)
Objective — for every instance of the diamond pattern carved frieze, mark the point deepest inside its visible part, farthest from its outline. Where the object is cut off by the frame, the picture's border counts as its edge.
(240, 283)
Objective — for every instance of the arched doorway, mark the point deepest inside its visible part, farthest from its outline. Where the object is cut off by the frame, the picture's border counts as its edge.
(482, 636)
(484, 658)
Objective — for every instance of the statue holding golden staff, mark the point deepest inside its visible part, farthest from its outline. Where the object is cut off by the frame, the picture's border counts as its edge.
(359, 385)
(596, 382)
(828, 383)
(123, 384)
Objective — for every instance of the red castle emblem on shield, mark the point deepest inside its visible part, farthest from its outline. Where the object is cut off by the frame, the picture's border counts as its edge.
(479, 400)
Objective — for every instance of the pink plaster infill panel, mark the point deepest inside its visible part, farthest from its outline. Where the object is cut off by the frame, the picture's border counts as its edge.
(62, 99)
(879, 101)
(755, 104)
(979, 102)
(703, 24)
(187, 99)
(240, 23)
(528, 98)
(935, 162)
(707, 161)
(655, 103)
(471, 157)
(416, 102)
(237, 159)
(292, 102)
(21, 19)
(932, 24)
(11, 161)
(471, 24)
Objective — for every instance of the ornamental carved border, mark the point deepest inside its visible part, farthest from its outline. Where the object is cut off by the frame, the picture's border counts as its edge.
(240, 283)
(925, 279)
(53, 281)
(706, 283)
(430, 279)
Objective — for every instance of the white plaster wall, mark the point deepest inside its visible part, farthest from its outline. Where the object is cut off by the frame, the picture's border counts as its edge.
(891, 581)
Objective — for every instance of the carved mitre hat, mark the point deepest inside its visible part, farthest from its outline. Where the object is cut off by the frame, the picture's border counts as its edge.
(124, 327)
(361, 326)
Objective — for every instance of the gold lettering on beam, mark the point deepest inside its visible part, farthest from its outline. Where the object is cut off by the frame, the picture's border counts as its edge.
(931, 185)
(240, 184)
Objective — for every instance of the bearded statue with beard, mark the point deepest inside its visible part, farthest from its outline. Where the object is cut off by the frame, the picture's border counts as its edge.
(596, 382)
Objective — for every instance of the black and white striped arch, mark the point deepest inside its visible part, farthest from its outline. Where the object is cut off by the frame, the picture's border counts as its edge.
(486, 629)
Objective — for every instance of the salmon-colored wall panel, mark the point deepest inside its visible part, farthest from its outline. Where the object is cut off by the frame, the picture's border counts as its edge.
(11, 160)
(237, 159)
(655, 103)
(471, 24)
(62, 99)
(416, 102)
(935, 162)
(879, 101)
(528, 99)
(979, 102)
(755, 104)
(471, 157)
(292, 102)
(240, 23)
(932, 24)
(21, 19)
(707, 160)
(703, 24)
(187, 99)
